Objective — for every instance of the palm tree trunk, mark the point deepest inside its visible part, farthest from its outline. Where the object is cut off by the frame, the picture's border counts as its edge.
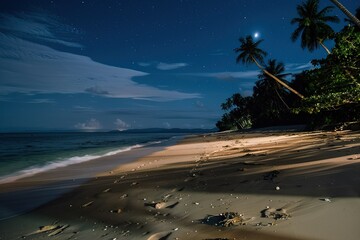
(347, 12)
(277, 79)
(326, 49)
(282, 100)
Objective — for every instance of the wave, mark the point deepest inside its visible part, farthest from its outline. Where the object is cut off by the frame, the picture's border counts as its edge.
(66, 162)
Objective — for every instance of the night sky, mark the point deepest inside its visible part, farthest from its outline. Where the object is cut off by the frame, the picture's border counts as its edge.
(101, 65)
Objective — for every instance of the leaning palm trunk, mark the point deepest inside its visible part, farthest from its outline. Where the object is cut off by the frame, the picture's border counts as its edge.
(347, 12)
(277, 79)
(326, 49)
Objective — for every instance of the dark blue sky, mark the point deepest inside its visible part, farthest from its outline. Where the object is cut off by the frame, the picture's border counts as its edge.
(98, 65)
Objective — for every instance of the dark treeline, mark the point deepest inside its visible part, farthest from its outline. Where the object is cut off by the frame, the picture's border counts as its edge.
(328, 94)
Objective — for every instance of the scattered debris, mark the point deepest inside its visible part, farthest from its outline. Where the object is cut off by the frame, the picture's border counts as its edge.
(325, 199)
(162, 204)
(58, 230)
(53, 229)
(166, 197)
(271, 175)
(134, 183)
(261, 224)
(116, 210)
(226, 219)
(124, 196)
(43, 229)
(276, 214)
(107, 190)
(160, 236)
(87, 204)
(179, 189)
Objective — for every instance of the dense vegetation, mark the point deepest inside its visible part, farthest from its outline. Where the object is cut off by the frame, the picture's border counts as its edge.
(327, 94)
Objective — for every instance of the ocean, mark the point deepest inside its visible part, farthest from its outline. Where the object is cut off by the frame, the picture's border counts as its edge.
(25, 154)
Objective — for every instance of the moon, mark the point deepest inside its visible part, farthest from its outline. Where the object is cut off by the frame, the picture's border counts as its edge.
(256, 34)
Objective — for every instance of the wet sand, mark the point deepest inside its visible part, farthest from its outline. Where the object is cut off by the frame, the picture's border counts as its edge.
(271, 185)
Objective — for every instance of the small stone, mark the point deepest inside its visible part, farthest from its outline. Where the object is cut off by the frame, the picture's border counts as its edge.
(277, 188)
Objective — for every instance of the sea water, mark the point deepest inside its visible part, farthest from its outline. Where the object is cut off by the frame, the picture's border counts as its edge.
(25, 154)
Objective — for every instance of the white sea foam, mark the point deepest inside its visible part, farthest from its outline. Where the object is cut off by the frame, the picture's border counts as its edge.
(65, 162)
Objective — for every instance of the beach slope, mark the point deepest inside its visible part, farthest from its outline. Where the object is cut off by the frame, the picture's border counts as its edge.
(256, 185)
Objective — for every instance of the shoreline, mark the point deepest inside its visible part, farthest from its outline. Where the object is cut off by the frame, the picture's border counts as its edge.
(206, 176)
(49, 185)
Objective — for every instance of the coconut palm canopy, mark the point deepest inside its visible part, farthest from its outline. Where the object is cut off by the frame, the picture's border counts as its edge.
(249, 51)
(312, 24)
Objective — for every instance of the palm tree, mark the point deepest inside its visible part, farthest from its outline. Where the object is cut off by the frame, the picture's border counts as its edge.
(265, 82)
(312, 25)
(353, 18)
(250, 53)
(357, 15)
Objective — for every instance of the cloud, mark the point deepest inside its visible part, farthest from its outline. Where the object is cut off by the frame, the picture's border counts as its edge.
(163, 66)
(121, 125)
(144, 64)
(218, 52)
(253, 74)
(42, 100)
(170, 66)
(90, 125)
(96, 90)
(230, 75)
(298, 67)
(36, 27)
(83, 109)
(29, 66)
(167, 114)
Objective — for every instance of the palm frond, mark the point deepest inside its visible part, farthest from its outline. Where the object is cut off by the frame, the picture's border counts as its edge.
(248, 51)
(312, 24)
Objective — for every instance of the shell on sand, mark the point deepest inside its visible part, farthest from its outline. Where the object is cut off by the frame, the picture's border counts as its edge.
(160, 205)
(159, 236)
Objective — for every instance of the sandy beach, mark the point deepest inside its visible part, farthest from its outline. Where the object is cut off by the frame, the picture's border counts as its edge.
(233, 185)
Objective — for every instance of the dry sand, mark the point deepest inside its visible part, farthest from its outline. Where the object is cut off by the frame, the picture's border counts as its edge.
(282, 185)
